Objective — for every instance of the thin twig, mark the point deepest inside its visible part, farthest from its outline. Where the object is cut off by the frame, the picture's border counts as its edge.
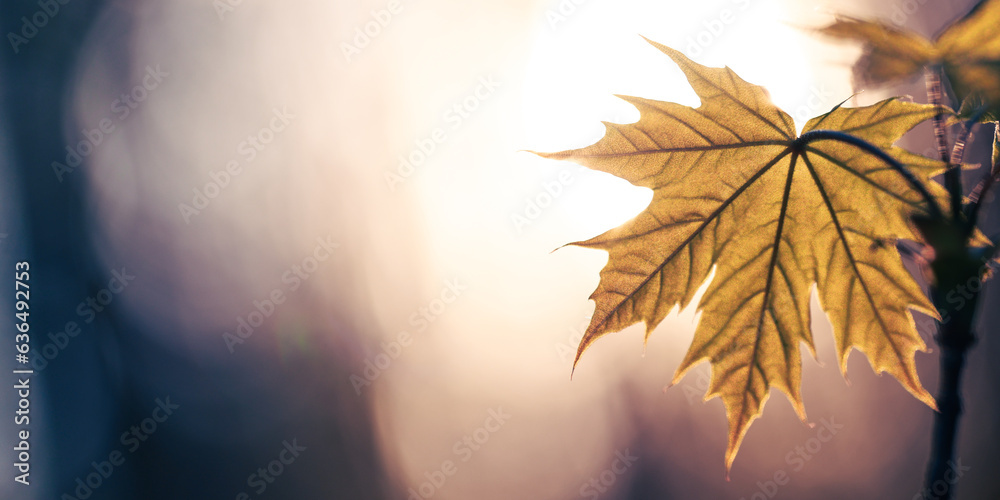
(958, 151)
(952, 176)
(965, 136)
(979, 192)
(976, 199)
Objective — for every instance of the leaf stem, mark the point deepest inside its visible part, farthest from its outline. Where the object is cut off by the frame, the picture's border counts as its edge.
(976, 197)
(952, 176)
(958, 152)
(817, 135)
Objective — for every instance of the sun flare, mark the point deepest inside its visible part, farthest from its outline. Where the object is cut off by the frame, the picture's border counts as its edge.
(583, 58)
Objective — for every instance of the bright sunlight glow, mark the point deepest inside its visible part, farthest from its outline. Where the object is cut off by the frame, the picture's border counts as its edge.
(579, 64)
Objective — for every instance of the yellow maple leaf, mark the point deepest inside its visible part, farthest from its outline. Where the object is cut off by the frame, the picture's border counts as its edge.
(968, 50)
(775, 215)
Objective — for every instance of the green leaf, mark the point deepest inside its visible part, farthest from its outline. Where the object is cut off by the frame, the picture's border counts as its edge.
(973, 108)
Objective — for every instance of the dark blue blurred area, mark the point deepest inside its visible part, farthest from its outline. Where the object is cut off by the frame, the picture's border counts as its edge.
(98, 394)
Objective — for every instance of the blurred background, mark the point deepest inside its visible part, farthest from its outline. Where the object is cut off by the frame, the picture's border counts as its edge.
(295, 250)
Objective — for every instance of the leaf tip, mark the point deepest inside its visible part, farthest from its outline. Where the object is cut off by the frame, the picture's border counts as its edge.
(844, 355)
(572, 371)
(584, 343)
(682, 370)
(560, 247)
(671, 52)
(800, 411)
(730, 458)
(559, 155)
(918, 391)
(930, 401)
(843, 373)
